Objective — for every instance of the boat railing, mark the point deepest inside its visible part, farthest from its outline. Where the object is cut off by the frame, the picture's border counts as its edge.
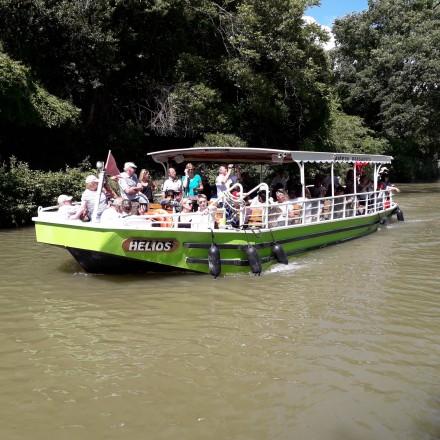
(302, 211)
(192, 220)
(233, 211)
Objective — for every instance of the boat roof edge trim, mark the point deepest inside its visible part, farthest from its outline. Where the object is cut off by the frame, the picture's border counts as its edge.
(262, 155)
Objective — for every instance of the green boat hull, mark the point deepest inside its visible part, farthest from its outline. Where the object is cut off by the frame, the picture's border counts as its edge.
(101, 249)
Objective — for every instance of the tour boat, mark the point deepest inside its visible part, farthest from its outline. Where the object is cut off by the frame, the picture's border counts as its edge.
(257, 239)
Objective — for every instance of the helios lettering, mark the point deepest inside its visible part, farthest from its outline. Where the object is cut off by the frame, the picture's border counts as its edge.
(147, 245)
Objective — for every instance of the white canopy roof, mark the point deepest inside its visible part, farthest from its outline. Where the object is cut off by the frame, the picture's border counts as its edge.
(318, 157)
(261, 155)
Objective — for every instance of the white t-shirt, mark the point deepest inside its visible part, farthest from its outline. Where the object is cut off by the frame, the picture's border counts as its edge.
(65, 211)
(285, 210)
(222, 187)
(204, 221)
(110, 215)
(170, 184)
(90, 198)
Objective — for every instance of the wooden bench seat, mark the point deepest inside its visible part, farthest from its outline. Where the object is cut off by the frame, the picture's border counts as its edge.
(256, 217)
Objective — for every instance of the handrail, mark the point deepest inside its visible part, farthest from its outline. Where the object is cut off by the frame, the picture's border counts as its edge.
(304, 211)
(313, 210)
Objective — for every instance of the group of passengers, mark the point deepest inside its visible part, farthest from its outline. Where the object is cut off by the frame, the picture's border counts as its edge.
(191, 194)
(135, 195)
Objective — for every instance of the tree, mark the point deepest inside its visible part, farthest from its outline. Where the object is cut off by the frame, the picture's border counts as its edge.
(348, 133)
(387, 70)
(150, 74)
(23, 101)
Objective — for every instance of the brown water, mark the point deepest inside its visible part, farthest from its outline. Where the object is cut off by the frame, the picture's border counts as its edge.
(342, 344)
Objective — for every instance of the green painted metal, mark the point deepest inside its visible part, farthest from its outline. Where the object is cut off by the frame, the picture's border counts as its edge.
(190, 247)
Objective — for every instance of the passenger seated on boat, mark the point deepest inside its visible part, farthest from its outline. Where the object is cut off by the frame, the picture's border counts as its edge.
(326, 210)
(363, 188)
(66, 210)
(186, 217)
(339, 202)
(317, 191)
(277, 187)
(268, 208)
(206, 213)
(88, 199)
(172, 200)
(113, 212)
(126, 208)
(297, 205)
(286, 216)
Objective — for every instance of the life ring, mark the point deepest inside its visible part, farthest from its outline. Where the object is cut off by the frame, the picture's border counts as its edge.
(161, 216)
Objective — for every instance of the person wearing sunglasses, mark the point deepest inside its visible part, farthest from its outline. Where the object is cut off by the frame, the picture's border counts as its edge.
(186, 217)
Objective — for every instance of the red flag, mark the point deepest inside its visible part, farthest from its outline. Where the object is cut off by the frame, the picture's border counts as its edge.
(360, 165)
(111, 168)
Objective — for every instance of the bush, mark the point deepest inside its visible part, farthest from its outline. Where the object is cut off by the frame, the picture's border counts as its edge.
(23, 190)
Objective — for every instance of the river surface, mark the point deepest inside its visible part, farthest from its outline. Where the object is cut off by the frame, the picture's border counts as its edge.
(342, 344)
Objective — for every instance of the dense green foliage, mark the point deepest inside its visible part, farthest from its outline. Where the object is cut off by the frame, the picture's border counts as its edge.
(22, 190)
(151, 74)
(79, 77)
(387, 70)
(24, 102)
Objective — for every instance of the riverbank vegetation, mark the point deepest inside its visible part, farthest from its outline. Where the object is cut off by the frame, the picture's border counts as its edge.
(23, 190)
(78, 78)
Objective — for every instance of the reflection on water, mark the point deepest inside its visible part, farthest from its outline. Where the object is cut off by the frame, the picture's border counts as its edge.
(341, 344)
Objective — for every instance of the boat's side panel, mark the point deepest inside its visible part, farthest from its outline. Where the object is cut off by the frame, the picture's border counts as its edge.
(157, 249)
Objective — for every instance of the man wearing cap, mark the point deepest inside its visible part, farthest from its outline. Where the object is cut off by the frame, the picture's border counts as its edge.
(130, 186)
(88, 200)
(65, 208)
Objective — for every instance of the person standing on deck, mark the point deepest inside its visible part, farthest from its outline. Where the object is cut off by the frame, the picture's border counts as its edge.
(225, 179)
(88, 200)
(148, 185)
(130, 186)
(171, 183)
(191, 184)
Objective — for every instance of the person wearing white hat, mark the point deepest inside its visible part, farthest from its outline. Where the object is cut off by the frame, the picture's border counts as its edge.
(65, 208)
(88, 200)
(130, 186)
